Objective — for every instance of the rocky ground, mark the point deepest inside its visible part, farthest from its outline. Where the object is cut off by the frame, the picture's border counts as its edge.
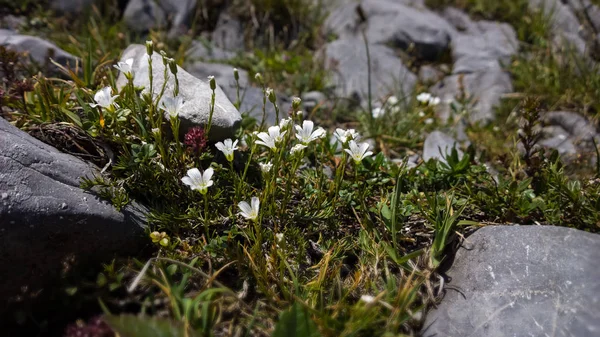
(418, 78)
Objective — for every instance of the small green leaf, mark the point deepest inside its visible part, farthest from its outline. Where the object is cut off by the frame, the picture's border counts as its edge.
(296, 322)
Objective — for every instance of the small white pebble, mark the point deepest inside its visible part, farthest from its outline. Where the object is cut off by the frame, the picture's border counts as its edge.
(4, 196)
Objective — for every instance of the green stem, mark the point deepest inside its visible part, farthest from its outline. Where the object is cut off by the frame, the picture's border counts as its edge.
(210, 116)
(206, 216)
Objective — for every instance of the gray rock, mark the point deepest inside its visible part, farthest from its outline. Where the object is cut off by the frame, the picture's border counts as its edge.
(521, 281)
(252, 104)
(430, 74)
(485, 90)
(35, 48)
(459, 20)
(486, 49)
(223, 74)
(575, 124)
(394, 23)
(195, 92)
(312, 99)
(229, 33)
(438, 145)
(71, 6)
(589, 9)
(251, 97)
(12, 22)
(46, 219)
(571, 134)
(143, 15)
(557, 138)
(207, 52)
(347, 59)
(566, 28)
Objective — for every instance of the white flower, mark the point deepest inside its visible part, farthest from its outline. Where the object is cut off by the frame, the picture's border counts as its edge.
(266, 167)
(424, 97)
(433, 101)
(358, 152)
(199, 181)
(346, 135)
(172, 105)
(125, 67)
(284, 122)
(297, 148)
(367, 299)
(248, 211)
(421, 113)
(306, 134)
(378, 112)
(227, 147)
(103, 98)
(279, 237)
(271, 139)
(429, 121)
(392, 100)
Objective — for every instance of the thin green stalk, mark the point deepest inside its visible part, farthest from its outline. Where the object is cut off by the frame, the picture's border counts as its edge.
(206, 216)
(369, 92)
(210, 116)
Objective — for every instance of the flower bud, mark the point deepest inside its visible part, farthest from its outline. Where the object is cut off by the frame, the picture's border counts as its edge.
(149, 47)
(212, 82)
(258, 77)
(271, 95)
(164, 242)
(173, 66)
(296, 103)
(236, 75)
(165, 58)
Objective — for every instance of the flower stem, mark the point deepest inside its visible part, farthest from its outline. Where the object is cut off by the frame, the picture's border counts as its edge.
(210, 116)
(206, 216)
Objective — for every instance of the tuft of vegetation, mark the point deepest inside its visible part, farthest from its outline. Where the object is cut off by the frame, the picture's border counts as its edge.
(295, 229)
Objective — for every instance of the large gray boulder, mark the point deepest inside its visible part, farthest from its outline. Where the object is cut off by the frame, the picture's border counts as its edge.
(47, 222)
(565, 26)
(483, 88)
(195, 92)
(402, 24)
(487, 47)
(571, 134)
(521, 281)
(251, 97)
(204, 51)
(229, 33)
(38, 50)
(347, 60)
(143, 15)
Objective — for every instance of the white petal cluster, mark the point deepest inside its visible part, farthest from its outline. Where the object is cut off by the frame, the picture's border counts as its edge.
(427, 98)
(104, 99)
(344, 136)
(172, 105)
(358, 151)
(306, 134)
(199, 181)
(272, 138)
(266, 167)
(125, 67)
(227, 146)
(250, 211)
